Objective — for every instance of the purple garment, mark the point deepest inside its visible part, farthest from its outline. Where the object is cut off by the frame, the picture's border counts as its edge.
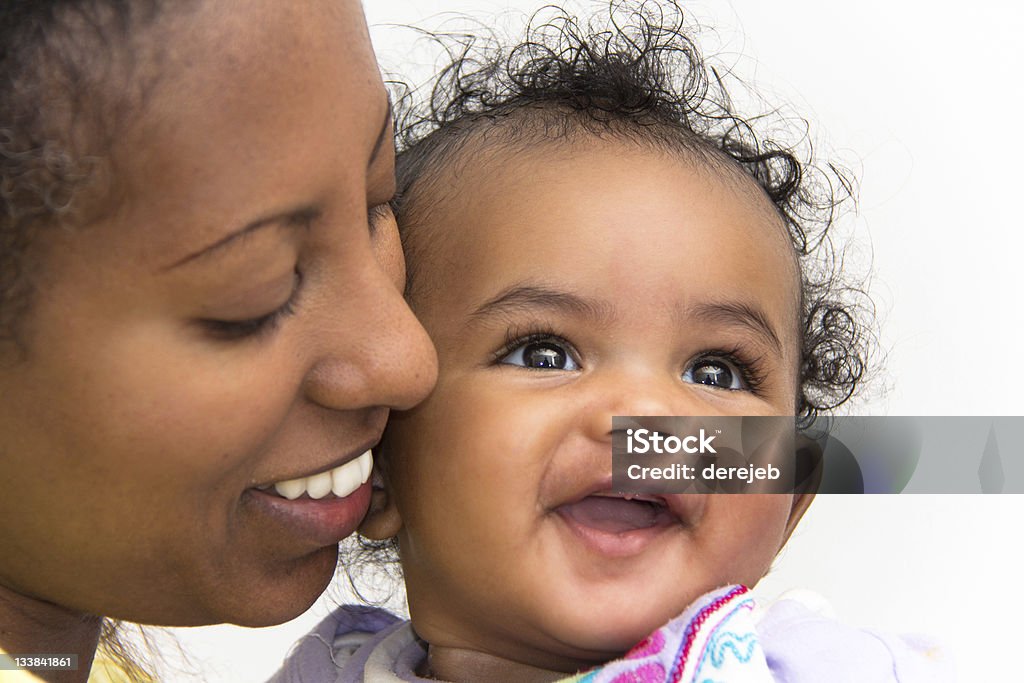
(337, 650)
(358, 644)
(802, 646)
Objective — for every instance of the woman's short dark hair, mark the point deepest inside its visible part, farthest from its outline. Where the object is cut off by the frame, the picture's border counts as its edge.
(63, 88)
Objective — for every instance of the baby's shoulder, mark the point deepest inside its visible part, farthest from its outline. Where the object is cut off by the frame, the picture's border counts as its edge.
(728, 635)
(803, 641)
(335, 651)
(356, 643)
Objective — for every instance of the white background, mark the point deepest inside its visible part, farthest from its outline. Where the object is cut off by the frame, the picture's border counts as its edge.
(919, 99)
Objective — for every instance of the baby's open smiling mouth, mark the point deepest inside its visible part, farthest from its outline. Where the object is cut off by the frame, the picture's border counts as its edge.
(617, 515)
(617, 525)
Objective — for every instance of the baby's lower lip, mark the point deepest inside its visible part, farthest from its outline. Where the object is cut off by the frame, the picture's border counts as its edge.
(315, 523)
(615, 527)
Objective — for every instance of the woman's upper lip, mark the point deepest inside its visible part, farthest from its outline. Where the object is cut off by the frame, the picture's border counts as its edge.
(348, 457)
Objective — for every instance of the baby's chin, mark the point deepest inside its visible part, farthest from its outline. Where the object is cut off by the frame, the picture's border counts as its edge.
(600, 634)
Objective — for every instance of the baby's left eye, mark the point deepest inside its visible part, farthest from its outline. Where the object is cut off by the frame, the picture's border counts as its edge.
(541, 354)
(715, 372)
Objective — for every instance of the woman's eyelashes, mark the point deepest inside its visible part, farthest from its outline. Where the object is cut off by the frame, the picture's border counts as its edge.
(378, 213)
(232, 330)
(539, 352)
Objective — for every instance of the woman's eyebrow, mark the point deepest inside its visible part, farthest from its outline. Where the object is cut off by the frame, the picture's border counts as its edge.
(383, 134)
(302, 217)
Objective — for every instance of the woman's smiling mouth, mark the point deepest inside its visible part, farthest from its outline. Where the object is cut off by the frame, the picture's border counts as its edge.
(340, 481)
(317, 510)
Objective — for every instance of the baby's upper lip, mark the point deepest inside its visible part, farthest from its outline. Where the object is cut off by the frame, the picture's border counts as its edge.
(348, 457)
(645, 497)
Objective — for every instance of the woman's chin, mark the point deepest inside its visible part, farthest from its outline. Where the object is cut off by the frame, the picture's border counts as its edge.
(243, 596)
(282, 598)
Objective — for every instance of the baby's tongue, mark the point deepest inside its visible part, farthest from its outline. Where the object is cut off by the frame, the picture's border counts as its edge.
(612, 515)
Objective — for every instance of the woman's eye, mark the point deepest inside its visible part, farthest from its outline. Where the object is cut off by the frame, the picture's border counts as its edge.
(714, 372)
(546, 354)
(231, 330)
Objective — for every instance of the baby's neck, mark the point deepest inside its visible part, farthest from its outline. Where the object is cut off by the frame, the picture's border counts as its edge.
(459, 665)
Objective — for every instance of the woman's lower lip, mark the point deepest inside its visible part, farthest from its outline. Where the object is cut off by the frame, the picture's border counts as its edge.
(316, 523)
(612, 545)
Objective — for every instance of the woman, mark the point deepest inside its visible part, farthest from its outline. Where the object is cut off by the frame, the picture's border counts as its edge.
(200, 298)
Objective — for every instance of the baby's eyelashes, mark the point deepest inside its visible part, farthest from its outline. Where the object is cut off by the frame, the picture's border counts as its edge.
(725, 370)
(540, 352)
(718, 369)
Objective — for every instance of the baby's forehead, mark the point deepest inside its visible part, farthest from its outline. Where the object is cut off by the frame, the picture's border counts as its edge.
(519, 172)
(644, 233)
(455, 155)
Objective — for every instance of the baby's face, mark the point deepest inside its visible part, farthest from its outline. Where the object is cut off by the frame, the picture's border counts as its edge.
(562, 288)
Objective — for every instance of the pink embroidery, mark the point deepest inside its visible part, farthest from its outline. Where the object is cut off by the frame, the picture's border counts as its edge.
(695, 625)
(651, 645)
(647, 673)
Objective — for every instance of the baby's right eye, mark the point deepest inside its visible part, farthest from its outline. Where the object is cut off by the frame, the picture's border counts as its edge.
(547, 353)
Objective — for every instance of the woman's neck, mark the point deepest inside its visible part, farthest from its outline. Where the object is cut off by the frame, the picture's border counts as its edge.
(459, 665)
(29, 626)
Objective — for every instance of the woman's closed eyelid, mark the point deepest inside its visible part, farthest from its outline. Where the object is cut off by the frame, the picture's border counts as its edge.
(234, 330)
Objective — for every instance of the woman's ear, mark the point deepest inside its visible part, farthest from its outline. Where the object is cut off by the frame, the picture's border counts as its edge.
(383, 520)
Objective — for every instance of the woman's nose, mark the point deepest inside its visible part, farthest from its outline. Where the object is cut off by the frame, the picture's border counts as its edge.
(375, 352)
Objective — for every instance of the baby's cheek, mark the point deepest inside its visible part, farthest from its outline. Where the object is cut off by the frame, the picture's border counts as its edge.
(754, 534)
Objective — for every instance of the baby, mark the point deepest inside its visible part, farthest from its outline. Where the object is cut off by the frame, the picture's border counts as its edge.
(591, 232)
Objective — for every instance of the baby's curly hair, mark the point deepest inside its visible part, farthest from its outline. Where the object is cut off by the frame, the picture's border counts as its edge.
(638, 75)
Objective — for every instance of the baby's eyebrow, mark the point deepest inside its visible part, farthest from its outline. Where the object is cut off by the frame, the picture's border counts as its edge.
(526, 297)
(737, 313)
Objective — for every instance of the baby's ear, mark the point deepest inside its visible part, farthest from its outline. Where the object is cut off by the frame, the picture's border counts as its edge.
(809, 457)
(383, 520)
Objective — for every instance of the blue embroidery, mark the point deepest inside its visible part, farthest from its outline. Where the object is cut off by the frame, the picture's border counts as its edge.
(716, 652)
(741, 646)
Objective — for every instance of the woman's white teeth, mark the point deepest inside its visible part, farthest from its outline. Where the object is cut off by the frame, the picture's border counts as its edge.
(291, 489)
(341, 481)
(318, 485)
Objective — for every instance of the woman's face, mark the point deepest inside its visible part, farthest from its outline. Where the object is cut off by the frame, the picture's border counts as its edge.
(235, 320)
